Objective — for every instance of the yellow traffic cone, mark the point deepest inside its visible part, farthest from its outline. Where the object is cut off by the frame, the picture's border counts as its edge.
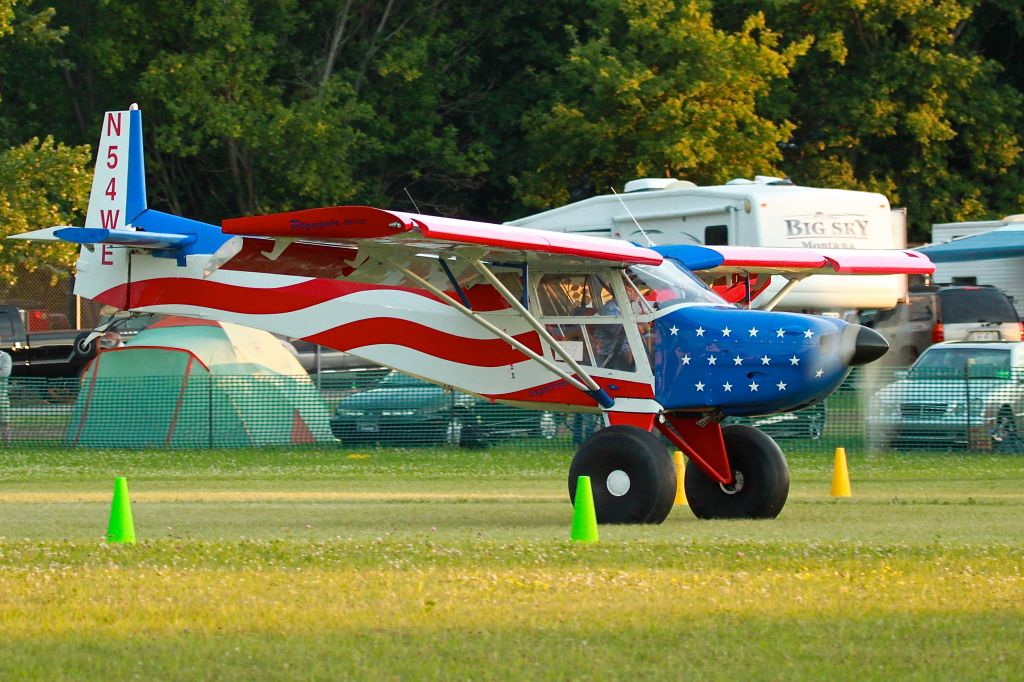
(840, 475)
(584, 517)
(121, 527)
(680, 477)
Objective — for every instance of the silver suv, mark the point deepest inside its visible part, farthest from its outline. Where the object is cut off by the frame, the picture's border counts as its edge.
(950, 313)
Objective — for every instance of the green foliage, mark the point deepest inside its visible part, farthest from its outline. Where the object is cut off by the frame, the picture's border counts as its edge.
(488, 111)
(42, 182)
(657, 90)
(893, 98)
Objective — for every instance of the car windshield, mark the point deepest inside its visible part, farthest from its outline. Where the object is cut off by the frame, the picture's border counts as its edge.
(668, 284)
(976, 305)
(947, 363)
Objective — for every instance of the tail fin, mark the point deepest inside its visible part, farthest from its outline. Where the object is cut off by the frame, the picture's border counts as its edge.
(118, 223)
(119, 182)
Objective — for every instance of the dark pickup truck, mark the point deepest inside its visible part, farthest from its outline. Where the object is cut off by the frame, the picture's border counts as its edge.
(39, 346)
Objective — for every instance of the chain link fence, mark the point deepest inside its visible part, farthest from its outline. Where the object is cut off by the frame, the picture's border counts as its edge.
(885, 409)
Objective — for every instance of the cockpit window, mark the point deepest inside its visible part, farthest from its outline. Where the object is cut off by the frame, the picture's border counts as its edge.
(668, 284)
(575, 295)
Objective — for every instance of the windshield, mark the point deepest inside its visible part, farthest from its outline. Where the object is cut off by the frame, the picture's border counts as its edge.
(668, 284)
(948, 363)
(976, 305)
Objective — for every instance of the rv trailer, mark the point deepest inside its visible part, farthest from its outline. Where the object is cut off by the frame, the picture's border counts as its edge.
(765, 211)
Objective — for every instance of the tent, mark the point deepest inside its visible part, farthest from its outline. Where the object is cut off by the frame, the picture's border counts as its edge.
(197, 383)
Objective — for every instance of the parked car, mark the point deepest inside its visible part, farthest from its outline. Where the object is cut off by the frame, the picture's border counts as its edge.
(945, 313)
(958, 394)
(807, 423)
(40, 342)
(407, 410)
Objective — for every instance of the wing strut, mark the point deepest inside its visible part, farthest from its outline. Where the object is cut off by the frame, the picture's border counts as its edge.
(596, 391)
(790, 283)
(593, 389)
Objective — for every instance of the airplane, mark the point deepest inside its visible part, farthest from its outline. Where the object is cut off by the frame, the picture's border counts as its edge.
(531, 318)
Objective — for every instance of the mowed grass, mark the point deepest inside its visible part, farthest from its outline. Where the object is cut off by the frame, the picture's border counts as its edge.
(437, 564)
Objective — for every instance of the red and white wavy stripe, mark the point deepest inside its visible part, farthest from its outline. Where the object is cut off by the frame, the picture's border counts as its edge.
(399, 327)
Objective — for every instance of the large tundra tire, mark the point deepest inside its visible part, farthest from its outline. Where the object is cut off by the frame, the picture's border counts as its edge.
(631, 475)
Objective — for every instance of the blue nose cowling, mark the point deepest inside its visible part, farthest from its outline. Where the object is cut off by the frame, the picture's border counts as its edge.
(869, 346)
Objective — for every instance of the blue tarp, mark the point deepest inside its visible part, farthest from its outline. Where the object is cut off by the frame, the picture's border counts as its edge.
(1005, 242)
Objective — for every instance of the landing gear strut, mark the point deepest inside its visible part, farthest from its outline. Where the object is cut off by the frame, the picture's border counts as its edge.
(760, 482)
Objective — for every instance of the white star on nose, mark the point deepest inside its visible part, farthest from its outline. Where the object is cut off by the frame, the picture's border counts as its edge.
(753, 386)
(686, 359)
(780, 333)
(699, 386)
(712, 359)
(818, 374)
(808, 334)
(753, 331)
(794, 360)
(700, 331)
(727, 386)
(781, 385)
(737, 361)
(726, 331)
(674, 329)
(765, 360)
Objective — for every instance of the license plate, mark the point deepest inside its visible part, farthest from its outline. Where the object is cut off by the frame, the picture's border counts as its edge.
(366, 427)
(983, 336)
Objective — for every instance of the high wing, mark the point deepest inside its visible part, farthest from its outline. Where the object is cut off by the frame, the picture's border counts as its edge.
(351, 225)
(717, 260)
(741, 273)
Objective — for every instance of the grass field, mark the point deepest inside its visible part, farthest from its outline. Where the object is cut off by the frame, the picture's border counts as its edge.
(433, 564)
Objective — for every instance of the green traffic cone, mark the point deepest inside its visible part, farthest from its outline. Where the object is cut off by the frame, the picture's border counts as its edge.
(121, 527)
(584, 519)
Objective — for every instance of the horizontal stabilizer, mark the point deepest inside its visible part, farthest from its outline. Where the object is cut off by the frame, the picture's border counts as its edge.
(138, 240)
(44, 235)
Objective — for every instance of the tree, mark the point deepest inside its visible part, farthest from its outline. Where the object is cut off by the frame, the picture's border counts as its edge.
(656, 89)
(42, 182)
(895, 97)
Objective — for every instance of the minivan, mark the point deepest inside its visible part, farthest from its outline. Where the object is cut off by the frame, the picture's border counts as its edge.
(946, 313)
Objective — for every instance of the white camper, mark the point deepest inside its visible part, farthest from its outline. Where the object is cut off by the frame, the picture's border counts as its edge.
(761, 212)
(1004, 273)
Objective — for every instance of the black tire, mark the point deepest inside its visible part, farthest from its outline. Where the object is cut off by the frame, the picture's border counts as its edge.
(635, 465)
(815, 426)
(761, 479)
(82, 351)
(1004, 435)
(453, 429)
(463, 430)
(547, 426)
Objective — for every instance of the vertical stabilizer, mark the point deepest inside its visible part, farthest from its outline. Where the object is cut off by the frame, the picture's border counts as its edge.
(118, 197)
(118, 184)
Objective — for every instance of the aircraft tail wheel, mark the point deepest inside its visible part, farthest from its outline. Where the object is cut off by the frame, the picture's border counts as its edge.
(631, 473)
(761, 479)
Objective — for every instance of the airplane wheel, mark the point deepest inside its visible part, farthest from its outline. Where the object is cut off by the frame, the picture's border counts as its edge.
(631, 474)
(761, 479)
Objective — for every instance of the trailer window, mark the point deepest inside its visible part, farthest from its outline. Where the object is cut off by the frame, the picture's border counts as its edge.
(716, 235)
